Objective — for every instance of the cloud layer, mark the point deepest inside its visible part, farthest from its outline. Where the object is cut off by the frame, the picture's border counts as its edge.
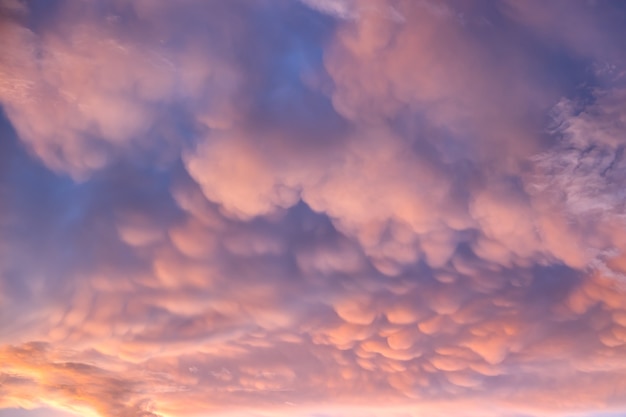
(312, 208)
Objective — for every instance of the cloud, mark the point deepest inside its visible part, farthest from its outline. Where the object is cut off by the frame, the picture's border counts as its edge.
(78, 94)
(583, 172)
(311, 208)
(344, 9)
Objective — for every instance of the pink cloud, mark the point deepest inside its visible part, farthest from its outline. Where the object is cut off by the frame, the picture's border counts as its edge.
(311, 208)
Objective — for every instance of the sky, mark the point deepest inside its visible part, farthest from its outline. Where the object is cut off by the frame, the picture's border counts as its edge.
(312, 208)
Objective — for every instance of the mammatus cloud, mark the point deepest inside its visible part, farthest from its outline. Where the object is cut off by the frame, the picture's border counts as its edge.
(312, 208)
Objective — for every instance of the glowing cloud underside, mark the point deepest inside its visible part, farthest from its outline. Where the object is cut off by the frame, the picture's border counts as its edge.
(312, 208)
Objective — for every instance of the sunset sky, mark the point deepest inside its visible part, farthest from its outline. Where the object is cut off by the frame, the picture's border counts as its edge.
(312, 208)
